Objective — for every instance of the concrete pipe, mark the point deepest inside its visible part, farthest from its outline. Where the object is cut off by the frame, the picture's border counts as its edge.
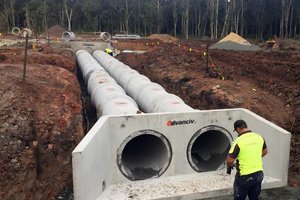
(208, 148)
(106, 95)
(87, 70)
(26, 31)
(138, 88)
(102, 93)
(147, 94)
(127, 76)
(117, 70)
(97, 78)
(67, 36)
(106, 37)
(135, 84)
(122, 105)
(123, 72)
(168, 103)
(108, 62)
(15, 31)
(87, 64)
(144, 154)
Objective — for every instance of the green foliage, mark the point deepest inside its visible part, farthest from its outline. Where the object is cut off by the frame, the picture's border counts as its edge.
(261, 18)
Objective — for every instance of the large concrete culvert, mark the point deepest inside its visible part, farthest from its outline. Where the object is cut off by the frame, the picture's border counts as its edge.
(208, 148)
(144, 154)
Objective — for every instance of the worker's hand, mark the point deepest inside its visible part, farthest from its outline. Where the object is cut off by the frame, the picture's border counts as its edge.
(229, 170)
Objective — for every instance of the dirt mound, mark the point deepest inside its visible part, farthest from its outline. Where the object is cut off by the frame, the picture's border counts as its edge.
(163, 37)
(40, 124)
(54, 32)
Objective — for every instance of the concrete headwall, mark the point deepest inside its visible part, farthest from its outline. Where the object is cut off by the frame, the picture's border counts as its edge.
(193, 148)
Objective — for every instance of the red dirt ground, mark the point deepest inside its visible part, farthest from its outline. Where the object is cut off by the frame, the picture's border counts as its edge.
(40, 123)
(41, 118)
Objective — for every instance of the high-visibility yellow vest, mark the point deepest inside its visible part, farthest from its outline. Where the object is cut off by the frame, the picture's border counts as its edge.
(250, 154)
(108, 50)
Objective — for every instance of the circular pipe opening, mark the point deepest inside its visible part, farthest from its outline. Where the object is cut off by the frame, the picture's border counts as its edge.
(67, 36)
(16, 31)
(208, 148)
(144, 154)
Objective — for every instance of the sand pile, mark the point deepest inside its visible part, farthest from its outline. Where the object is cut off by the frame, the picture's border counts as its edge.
(235, 42)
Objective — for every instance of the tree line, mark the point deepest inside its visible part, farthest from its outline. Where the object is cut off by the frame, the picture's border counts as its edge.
(258, 19)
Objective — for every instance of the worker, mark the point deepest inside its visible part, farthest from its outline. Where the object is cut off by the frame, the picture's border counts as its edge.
(109, 51)
(247, 150)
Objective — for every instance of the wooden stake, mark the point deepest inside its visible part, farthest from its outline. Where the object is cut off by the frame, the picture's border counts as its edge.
(25, 57)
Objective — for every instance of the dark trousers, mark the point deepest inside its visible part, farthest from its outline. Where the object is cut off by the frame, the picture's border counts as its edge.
(248, 185)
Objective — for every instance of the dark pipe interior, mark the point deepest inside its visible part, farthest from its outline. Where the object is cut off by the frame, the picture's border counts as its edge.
(145, 156)
(208, 150)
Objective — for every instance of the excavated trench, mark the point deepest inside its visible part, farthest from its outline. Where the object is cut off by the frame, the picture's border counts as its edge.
(89, 111)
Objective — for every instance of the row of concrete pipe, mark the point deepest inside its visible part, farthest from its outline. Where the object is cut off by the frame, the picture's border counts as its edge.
(115, 88)
(106, 95)
(150, 97)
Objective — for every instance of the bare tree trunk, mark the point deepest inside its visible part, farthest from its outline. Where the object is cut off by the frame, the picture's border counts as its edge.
(139, 29)
(286, 6)
(225, 25)
(291, 22)
(127, 15)
(198, 17)
(62, 17)
(157, 5)
(212, 7)
(27, 17)
(12, 8)
(259, 18)
(198, 25)
(186, 19)
(217, 19)
(242, 19)
(69, 12)
(175, 16)
(282, 19)
(45, 17)
(287, 17)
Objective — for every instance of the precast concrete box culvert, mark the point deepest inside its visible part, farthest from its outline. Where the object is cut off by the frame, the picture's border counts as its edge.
(170, 155)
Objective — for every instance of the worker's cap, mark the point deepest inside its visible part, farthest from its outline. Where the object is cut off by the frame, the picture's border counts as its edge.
(239, 124)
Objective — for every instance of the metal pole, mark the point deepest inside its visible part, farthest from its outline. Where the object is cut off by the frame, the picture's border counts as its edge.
(48, 38)
(25, 57)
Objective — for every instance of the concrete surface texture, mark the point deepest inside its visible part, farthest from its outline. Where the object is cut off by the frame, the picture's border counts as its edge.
(286, 193)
